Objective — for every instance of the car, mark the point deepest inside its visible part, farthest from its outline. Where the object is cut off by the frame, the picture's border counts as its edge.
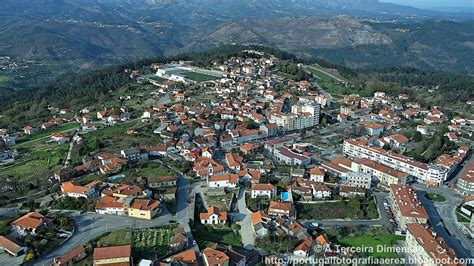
(313, 225)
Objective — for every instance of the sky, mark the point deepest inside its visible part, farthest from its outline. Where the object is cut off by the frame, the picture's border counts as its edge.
(433, 3)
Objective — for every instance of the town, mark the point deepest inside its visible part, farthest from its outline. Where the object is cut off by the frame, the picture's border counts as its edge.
(244, 161)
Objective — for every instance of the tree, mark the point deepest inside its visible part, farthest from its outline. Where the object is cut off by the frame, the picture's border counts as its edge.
(417, 137)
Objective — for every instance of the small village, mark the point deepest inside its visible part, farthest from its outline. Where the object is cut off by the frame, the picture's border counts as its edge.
(238, 163)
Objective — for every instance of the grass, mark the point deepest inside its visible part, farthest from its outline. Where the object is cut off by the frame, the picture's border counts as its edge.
(356, 208)
(149, 169)
(371, 243)
(5, 227)
(435, 197)
(206, 233)
(148, 243)
(30, 140)
(221, 202)
(462, 218)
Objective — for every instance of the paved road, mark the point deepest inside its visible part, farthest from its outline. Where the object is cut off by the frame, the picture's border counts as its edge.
(325, 72)
(89, 226)
(442, 218)
(246, 228)
(69, 152)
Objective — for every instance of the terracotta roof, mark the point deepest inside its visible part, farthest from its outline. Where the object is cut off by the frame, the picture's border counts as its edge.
(69, 256)
(221, 216)
(108, 202)
(280, 205)
(305, 245)
(316, 171)
(372, 125)
(103, 253)
(257, 217)
(145, 204)
(72, 187)
(407, 201)
(9, 244)
(433, 245)
(215, 257)
(30, 220)
(382, 168)
(187, 257)
(467, 173)
(263, 187)
(322, 240)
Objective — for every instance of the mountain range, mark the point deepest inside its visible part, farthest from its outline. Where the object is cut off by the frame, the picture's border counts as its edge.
(83, 34)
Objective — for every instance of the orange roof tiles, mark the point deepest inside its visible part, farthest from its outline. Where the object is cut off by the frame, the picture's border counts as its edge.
(30, 220)
(103, 253)
(407, 201)
(215, 257)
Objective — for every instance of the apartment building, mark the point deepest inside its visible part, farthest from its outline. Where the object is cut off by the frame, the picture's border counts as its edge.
(465, 183)
(406, 206)
(386, 176)
(431, 175)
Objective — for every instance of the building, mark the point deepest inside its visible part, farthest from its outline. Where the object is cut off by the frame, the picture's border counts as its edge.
(304, 248)
(264, 190)
(223, 181)
(316, 174)
(465, 183)
(213, 216)
(162, 181)
(431, 175)
(361, 180)
(116, 255)
(424, 245)
(386, 176)
(373, 129)
(259, 222)
(214, 257)
(68, 259)
(11, 247)
(406, 206)
(142, 208)
(348, 192)
(187, 257)
(288, 157)
(74, 190)
(30, 222)
(108, 205)
(279, 208)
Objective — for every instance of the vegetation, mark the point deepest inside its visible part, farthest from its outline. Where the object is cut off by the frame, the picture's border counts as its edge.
(369, 238)
(207, 233)
(148, 243)
(70, 203)
(431, 148)
(356, 208)
(435, 197)
(276, 244)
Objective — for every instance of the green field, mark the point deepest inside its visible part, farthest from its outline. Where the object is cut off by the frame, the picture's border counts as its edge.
(148, 243)
(43, 135)
(356, 208)
(206, 234)
(149, 169)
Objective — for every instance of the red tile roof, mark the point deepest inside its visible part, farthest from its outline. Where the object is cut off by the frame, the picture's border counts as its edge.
(103, 253)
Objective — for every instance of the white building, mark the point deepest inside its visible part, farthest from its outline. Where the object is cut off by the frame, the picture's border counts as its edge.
(288, 157)
(431, 175)
(263, 190)
(213, 216)
(361, 180)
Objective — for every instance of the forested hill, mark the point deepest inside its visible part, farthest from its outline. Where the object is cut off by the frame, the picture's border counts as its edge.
(75, 91)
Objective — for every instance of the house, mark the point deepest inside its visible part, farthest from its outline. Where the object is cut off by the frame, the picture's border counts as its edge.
(289, 157)
(214, 257)
(88, 127)
(223, 181)
(406, 206)
(320, 190)
(248, 148)
(213, 216)
(234, 161)
(259, 222)
(396, 141)
(323, 241)
(64, 174)
(349, 192)
(235, 258)
(362, 180)
(270, 129)
(108, 205)
(71, 257)
(279, 208)
(87, 167)
(74, 190)
(142, 208)
(11, 247)
(372, 129)
(263, 190)
(123, 191)
(187, 257)
(114, 255)
(316, 174)
(30, 222)
(29, 130)
(162, 181)
(179, 240)
(250, 175)
(304, 248)
(133, 155)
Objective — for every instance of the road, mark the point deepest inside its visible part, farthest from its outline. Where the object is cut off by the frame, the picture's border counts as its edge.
(89, 226)
(69, 152)
(442, 217)
(246, 228)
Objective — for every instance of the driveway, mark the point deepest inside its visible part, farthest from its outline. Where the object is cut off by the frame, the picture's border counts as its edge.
(246, 228)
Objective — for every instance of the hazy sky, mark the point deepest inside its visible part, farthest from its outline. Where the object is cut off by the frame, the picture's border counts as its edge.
(433, 3)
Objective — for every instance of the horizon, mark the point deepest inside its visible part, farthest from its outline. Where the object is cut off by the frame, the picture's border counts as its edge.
(432, 3)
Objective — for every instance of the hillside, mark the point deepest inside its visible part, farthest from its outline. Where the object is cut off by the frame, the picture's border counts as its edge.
(63, 36)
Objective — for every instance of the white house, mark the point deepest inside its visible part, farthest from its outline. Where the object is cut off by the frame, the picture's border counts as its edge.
(263, 190)
(316, 174)
(223, 181)
(213, 216)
